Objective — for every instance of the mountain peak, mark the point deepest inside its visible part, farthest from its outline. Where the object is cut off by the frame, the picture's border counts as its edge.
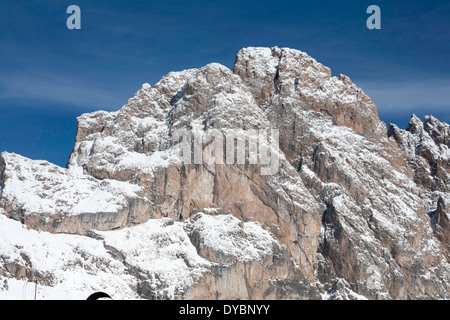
(173, 191)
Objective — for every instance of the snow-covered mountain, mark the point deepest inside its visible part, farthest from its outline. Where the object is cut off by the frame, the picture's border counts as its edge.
(343, 209)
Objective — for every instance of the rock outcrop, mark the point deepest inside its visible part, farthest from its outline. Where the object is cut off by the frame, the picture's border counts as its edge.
(351, 211)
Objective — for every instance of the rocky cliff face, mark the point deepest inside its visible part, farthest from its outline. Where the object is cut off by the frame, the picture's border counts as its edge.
(351, 211)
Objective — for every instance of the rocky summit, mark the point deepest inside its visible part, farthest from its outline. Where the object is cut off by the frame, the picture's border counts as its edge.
(350, 209)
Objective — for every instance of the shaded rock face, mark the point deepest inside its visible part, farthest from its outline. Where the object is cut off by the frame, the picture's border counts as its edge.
(426, 148)
(355, 211)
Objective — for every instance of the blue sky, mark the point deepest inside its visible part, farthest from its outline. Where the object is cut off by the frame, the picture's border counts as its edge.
(49, 75)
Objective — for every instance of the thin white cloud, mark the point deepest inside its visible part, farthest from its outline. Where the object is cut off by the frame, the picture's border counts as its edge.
(58, 89)
(409, 95)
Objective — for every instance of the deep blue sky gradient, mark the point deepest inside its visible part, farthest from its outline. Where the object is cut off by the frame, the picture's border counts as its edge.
(49, 75)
